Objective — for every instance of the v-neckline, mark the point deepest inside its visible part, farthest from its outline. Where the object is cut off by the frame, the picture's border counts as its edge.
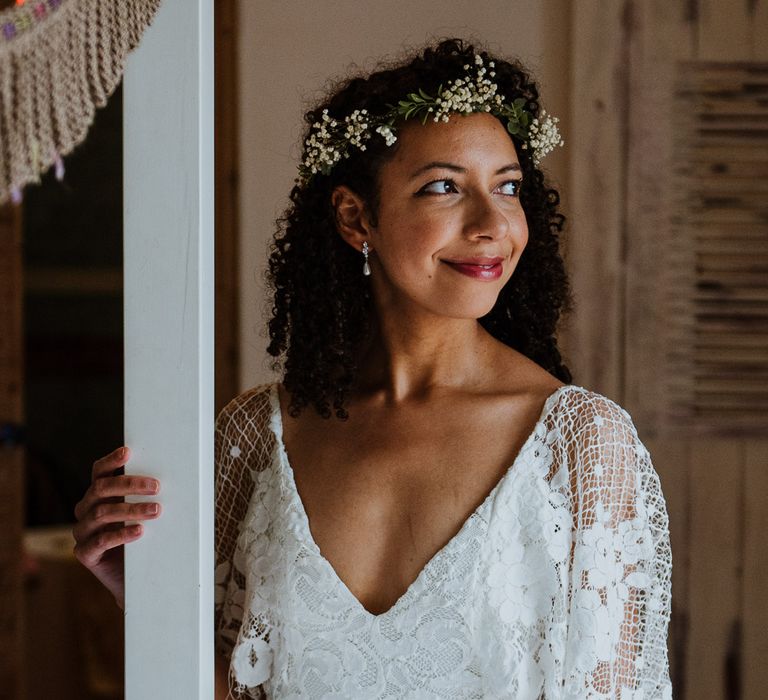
(276, 426)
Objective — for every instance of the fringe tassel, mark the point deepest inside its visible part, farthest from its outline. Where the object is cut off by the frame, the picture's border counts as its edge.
(59, 61)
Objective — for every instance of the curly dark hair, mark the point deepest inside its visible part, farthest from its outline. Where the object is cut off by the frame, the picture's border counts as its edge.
(322, 304)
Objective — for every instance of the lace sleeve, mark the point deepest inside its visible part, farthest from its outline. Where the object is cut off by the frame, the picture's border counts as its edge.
(243, 448)
(229, 512)
(238, 456)
(621, 563)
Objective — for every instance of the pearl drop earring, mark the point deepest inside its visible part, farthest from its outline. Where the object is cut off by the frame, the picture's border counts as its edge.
(366, 266)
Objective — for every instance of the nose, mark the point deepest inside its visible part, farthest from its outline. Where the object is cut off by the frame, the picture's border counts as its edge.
(484, 219)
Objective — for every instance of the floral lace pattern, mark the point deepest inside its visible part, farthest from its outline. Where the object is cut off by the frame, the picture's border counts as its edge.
(557, 586)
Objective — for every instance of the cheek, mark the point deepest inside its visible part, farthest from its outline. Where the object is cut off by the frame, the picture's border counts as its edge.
(411, 260)
(410, 245)
(518, 233)
(519, 227)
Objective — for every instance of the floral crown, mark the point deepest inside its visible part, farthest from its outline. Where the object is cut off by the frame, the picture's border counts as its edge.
(330, 139)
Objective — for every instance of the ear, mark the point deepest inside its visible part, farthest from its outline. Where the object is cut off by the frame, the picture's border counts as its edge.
(352, 221)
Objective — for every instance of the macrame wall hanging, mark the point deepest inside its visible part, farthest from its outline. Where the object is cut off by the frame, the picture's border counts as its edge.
(59, 61)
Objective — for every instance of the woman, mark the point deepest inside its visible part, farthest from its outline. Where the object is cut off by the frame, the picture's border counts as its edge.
(425, 506)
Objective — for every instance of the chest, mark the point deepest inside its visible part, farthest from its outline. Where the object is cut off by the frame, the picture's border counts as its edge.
(386, 490)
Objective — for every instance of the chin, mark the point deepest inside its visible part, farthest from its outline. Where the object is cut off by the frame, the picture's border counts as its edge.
(466, 311)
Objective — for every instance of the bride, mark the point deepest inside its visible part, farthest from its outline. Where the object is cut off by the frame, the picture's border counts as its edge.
(425, 506)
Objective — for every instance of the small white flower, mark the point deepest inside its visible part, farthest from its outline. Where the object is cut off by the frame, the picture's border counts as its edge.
(329, 141)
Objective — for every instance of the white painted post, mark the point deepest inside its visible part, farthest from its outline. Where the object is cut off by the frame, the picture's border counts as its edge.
(168, 273)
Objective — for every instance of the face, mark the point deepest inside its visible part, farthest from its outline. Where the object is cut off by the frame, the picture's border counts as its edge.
(451, 228)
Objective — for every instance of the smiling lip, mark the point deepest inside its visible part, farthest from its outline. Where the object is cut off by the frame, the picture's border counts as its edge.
(478, 268)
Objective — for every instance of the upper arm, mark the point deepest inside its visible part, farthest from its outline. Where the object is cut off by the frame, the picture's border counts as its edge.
(233, 489)
(620, 575)
(242, 448)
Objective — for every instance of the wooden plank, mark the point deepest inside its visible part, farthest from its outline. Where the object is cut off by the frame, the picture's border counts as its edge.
(599, 109)
(716, 491)
(754, 612)
(736, 155)
(671, 459)
(226, 165)
(730, 244)
(11, 455)
(759, 48)
(707, 171)
(169, 350)
(737, 106)
(725, 32)
(662, 35)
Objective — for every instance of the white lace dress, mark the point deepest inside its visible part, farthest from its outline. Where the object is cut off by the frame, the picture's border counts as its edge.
(557, 586)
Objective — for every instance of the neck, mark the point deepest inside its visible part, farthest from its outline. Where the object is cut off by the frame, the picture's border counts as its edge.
(411, 354)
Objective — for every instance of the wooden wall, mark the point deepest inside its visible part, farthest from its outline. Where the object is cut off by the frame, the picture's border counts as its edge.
(625, 61)
(11, 454)
(226, 164)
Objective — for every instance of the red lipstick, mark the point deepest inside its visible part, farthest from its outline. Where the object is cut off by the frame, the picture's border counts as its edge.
(478, 268)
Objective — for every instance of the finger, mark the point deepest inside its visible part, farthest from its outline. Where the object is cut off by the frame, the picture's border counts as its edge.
(105, 465)
(91, 551)
(104, 514)
(109, 487)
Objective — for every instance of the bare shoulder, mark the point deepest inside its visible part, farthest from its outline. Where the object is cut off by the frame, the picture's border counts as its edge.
(516, 375)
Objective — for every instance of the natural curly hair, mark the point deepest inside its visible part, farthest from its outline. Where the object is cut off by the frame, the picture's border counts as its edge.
(322, 304)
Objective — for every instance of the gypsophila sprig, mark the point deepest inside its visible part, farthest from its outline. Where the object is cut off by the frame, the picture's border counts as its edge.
(331, 139)
(543, 135)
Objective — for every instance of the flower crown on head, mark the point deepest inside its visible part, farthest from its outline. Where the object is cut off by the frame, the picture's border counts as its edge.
(330, 139)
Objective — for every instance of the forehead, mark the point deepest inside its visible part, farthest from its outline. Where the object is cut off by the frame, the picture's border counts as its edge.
(472, 137)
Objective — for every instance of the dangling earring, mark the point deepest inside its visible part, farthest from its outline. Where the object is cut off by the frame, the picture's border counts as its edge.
(366, 266)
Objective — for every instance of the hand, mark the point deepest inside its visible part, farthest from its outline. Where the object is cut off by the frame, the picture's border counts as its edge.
(100, 531)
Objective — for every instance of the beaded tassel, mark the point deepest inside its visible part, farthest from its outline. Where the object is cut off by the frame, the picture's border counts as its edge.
(59, 170)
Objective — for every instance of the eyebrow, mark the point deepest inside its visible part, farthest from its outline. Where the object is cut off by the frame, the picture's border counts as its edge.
(459, 169)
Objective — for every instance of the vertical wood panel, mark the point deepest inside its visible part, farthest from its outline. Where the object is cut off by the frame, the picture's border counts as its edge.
(227, 191)
(733, 30)
(11, 455)
(662, 35)
(754, 668)
(671, 459)
(725, 30)
(717, 472)
(716, 499)
(599, 114)
(760, 31)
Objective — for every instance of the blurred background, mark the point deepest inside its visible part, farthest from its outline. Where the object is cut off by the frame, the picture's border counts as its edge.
(664, 110)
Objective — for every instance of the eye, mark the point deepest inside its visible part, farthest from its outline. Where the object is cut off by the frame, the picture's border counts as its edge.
(439, 189)
(516, 191)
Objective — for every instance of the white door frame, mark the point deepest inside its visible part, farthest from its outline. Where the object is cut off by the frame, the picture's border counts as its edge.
(169, 350)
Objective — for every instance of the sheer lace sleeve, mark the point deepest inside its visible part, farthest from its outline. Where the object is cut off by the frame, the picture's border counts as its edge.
(238, 457)
(229, 512)
(620, 575)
